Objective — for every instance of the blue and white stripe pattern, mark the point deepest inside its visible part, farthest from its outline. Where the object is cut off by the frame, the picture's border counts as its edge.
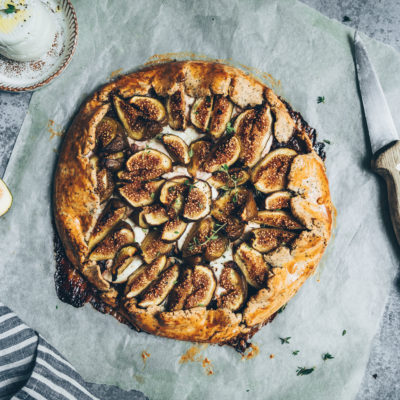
(32, 369)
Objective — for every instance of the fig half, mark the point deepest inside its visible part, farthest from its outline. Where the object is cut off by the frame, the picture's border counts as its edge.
(153, 247)
(198, 202)
(235, 287)
(253, 129)
(148, 164)
(143, 276)
(140, 194)
(204, 283)
(176, 108)
(110, 245)
(177, 148)
(221, 115)
(267, 239)
(277, 219)
(278, 200)
(156, 293)
(252, 263)
(270, 174)
(150, 108)
(201, 112)
(226, 152)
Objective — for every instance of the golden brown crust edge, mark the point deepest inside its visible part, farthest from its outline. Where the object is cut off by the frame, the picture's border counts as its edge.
(75, 200)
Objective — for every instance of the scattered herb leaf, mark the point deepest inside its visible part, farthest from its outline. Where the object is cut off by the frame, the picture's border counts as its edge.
(327, 356)
(375, 376)
(346, 19)
(200, 305)
(229, 128)
(176, 232)
(285, 340)
(304, 371)
(190, 152)
(295, 352)
(321, 99)
(344, 332)
(327, 141)
(10, 9)
(153, 195)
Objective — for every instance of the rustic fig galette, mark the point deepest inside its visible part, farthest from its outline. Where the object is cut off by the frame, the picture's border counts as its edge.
(193, 199)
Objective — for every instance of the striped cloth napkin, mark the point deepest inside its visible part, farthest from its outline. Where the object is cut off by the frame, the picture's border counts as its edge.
(32, 369)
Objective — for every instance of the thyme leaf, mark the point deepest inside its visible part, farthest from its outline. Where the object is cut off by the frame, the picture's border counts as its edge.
(304, 371)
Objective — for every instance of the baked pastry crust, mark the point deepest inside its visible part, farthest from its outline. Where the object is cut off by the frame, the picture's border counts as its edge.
(77, 202)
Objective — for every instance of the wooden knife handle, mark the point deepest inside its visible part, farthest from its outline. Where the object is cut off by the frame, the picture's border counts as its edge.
(387, 164)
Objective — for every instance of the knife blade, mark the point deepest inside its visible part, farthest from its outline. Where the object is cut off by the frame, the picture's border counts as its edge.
(381, 128)
(384, 139)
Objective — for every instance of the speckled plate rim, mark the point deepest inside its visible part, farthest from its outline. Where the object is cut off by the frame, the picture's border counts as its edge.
(73, 25)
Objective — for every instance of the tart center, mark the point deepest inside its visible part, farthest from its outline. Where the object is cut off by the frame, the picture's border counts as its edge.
(193, 200)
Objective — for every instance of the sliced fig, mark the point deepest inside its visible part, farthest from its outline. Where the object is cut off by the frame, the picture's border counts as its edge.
(267, 239)
(173, 188)
(204, 283)
(201, 112)
(216, 246)
(148, 164)
(110, 135)
(122, 261)
(277, 219)
(109, 218)
(224, 210)
(152, 247)
(105, 184)
(181, 291)
(140, 194)
(228, 180)
(110, 245)
(106, 131)
(173, 230)
(253, 129)
(235, 287)
(177, 148)
(198, 235)
(138, 218)
(199, 151)
(176, 108)
(198, 202)
(143, 276)
(234, 228)
(150, 108)
(154, 215)
(113, 164)
(114, 161)
(270, 174)
(249, 207)
(239, 201)
(156, 293)
(252, 263)
(130, 118)
(225, 152)
(221, 115)
(278, 200)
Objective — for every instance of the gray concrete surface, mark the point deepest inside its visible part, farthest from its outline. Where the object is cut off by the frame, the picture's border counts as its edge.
(379, 19)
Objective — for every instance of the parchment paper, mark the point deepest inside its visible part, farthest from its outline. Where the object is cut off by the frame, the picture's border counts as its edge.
(310, 56)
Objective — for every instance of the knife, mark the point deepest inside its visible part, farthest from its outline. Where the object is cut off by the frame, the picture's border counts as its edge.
(383, 136)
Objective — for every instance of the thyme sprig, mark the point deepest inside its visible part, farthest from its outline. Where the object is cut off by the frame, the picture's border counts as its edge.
(213, 236)
(304, 371)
